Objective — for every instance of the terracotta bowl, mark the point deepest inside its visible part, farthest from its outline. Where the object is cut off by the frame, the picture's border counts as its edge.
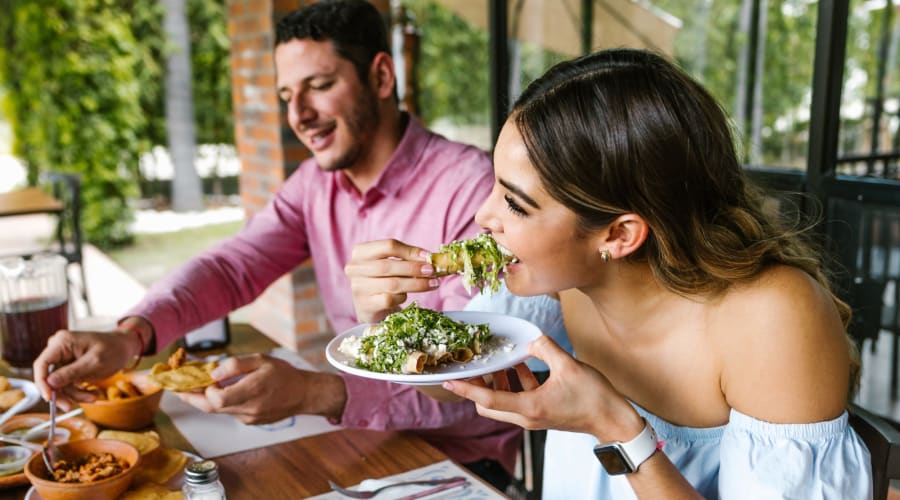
(127, 414)
(105, 489)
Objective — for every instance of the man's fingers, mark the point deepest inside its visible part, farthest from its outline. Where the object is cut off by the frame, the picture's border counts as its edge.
(197, 400)
(236, 366)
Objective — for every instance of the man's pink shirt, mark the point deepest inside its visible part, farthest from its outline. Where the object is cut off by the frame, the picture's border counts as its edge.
(427, 195)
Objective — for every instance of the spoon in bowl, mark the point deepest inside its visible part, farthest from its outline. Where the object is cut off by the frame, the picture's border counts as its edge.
(51, 452)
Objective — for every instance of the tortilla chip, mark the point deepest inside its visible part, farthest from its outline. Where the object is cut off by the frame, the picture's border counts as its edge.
(151, 491)
(184, 379)
(4, 384)
(160, 466)
(145, 442)
(10, 397)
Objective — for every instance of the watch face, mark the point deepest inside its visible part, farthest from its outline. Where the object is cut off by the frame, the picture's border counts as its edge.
(612, 459)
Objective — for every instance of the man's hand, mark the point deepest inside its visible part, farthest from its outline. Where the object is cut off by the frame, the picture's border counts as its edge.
(382, 273)
(267, 389)
(78, 357)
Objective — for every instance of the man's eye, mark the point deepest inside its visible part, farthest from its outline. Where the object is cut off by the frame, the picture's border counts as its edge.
(321, 86)
(514, 207)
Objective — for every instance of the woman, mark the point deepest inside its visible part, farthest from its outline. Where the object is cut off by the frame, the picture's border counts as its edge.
(707, 329)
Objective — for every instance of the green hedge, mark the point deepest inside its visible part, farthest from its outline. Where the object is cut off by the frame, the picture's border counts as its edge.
(84, 90)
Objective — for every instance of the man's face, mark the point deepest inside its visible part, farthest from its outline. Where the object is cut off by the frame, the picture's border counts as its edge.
(330, 110)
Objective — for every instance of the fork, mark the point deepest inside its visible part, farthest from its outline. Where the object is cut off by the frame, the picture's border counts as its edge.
(455, 481)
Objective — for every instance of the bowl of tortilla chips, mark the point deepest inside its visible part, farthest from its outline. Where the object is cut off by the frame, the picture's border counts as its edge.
(124, 401)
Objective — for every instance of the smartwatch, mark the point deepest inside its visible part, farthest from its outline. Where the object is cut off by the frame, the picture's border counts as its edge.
(625, 458)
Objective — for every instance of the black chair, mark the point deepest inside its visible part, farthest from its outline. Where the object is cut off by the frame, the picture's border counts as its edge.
(883, 440)
(67, 189)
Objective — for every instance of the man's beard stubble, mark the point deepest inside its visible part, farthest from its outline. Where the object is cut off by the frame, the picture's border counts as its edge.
(364, 117)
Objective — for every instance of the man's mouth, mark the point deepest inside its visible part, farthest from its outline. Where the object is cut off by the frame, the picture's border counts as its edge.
(320, 138)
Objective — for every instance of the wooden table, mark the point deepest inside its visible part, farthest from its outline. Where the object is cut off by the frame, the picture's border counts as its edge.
(295, 469)
(30, 200)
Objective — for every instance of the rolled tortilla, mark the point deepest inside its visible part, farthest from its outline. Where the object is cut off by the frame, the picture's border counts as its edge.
(463, 355)
(415, 362)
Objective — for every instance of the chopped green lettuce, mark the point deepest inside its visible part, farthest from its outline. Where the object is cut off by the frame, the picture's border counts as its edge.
(479, 260)
(415, 329)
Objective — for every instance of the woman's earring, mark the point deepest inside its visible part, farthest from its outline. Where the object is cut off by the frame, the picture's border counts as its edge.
(605, 256)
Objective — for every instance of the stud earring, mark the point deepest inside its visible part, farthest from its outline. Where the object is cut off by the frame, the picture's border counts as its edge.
(605, 256)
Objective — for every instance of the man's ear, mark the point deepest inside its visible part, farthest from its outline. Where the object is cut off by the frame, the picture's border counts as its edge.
(625, 235)
(381, 75)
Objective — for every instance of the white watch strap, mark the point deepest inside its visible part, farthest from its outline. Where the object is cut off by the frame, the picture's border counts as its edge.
(642, 447)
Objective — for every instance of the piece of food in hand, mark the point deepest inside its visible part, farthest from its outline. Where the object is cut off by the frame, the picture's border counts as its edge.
(10, 397)
(180, 375)
(409, 340)
(112, 389)
(5, 384)
(160, 466)
(479, 260)
(145, 442)
(151, 491)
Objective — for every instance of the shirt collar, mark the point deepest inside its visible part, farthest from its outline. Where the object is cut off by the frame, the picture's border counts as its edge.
(400, 167)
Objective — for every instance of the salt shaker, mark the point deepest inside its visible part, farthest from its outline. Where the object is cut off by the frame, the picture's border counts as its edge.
(201, 482)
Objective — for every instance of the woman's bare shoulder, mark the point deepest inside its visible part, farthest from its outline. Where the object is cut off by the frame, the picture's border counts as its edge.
(783, 349)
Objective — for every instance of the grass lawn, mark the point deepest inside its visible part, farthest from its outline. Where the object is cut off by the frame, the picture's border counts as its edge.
(153, 255)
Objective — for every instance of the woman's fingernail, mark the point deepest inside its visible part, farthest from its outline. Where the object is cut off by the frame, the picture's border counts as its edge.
(434, 283)
(424, 254)
(447, 385)
(427, 269)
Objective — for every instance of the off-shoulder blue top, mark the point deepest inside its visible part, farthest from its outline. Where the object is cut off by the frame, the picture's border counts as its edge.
(745, 458)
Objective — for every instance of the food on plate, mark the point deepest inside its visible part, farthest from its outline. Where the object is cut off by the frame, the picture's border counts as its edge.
(180, 375)
(160, 466)
(10, 397)
(409, 340)
(151, 491)
(89, 468)
(479, 260)
(145, 442)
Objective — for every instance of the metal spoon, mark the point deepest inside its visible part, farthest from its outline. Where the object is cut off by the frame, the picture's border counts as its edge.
(50, 451)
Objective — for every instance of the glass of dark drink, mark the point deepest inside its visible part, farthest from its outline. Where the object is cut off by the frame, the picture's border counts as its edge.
(33, 306)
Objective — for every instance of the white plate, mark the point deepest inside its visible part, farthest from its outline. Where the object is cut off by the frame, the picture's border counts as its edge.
(173, 484)
(32, 396)
(511, 330)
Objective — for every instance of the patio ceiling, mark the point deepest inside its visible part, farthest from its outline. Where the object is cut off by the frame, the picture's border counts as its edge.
(556, 24)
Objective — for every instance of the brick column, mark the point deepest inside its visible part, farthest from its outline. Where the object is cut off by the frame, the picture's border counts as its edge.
(290, 311)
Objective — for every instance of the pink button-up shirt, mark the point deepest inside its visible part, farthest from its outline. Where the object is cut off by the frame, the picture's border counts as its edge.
(427, 195)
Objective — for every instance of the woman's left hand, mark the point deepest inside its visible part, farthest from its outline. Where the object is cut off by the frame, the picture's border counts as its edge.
(575, 397)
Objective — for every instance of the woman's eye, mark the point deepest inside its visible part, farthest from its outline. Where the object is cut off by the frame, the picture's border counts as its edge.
(514, 207)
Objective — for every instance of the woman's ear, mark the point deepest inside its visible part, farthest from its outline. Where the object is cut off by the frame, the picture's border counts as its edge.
(381, 75)
(625, 235)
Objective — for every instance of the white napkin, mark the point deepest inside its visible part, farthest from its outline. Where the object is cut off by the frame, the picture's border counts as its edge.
(205, 430)
(471, 490)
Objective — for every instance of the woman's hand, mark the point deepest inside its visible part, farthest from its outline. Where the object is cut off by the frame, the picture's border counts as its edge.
(382, 273)
(575, 397)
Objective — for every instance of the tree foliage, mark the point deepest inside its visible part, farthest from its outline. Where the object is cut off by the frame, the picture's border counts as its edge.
(84, 93)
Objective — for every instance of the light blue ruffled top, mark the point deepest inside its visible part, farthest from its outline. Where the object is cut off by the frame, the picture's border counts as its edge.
(745, 458)
(542, 310)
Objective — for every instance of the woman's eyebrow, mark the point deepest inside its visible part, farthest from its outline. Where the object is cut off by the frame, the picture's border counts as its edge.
(518, 192)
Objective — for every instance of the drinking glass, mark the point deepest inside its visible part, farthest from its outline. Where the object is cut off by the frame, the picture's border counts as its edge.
(34, 304)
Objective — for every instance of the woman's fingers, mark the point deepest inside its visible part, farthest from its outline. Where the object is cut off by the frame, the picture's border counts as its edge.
(499, 405)
(382, 249)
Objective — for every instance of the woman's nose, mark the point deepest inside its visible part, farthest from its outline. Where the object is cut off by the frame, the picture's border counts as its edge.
(484, 217)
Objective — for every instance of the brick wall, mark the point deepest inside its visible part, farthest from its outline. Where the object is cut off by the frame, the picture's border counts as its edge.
(290, 311)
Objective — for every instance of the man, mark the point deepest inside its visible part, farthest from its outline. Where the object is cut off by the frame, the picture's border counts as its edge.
(375, 173)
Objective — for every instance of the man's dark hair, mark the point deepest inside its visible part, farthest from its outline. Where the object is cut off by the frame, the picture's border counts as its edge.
(354, 27)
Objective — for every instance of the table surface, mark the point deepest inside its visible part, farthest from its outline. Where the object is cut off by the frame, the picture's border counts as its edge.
(30, 200)
(294, 469)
